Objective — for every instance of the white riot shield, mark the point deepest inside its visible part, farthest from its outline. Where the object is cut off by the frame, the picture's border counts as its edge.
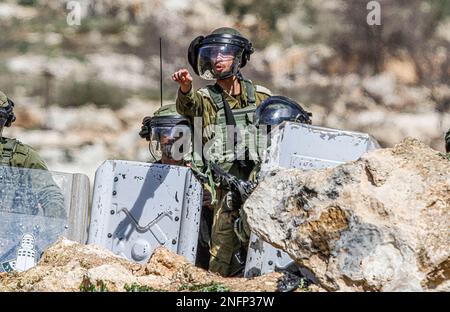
(295, 145)
(36, 208)
(139, 206)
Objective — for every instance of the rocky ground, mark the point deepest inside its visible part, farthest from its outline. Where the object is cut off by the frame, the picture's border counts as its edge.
(69, 266)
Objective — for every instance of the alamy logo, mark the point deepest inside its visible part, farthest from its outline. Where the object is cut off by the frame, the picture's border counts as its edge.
(74, 15)
(374, 16)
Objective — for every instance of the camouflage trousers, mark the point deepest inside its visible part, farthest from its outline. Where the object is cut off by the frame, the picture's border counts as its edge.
(227, 251)
(225, 244)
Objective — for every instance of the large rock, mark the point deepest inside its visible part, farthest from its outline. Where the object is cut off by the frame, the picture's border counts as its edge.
(376, 224)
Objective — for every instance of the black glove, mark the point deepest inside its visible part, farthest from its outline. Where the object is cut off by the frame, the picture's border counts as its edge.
(207, 198)
(239, 194)
(233, 200)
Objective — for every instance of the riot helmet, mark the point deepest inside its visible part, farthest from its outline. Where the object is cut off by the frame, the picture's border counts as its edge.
(276, 109)
(271, 113)
(169, 135)
(7, 116)
(219, 55)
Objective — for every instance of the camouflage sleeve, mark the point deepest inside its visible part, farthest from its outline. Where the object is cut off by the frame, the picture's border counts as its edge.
(260, 97)
(51, 198)
(34, 161)
(261, 94)
(190, 104)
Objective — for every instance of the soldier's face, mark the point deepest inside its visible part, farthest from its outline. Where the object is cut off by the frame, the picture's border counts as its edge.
(222, 59)
(223, 63)
(166, 149)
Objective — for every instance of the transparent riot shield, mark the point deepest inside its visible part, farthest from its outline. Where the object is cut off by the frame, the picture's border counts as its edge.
(140, 206)
(295, 145)
(36, 208)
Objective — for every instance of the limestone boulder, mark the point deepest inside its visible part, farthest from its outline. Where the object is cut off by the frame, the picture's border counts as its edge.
(380, 223)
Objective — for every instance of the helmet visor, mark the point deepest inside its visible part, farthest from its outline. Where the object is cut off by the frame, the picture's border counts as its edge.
(170, 142)
(219, 61)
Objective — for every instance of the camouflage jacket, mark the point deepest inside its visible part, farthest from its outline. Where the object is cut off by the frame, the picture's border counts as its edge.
(199, 104)
(32, 192)
(17, 154)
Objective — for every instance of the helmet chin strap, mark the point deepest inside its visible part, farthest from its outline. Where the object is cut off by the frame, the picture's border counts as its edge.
(226, 76)
(231, 74)
(3, 122)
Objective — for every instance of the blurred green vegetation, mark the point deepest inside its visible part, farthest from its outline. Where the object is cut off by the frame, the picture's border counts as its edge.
(104, 25)
(408, 29)
(268, 12)
(99, 93)
(28, 2)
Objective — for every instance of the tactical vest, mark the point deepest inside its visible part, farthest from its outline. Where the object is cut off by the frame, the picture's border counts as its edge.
(11, 155)
(219, 153)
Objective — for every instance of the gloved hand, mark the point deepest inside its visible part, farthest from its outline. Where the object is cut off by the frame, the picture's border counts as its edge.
(233, 200)
(207, 198)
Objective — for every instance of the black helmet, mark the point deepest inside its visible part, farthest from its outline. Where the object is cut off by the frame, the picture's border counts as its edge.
(276, 109)
(224, 41)
(7, 116)
(163, 129)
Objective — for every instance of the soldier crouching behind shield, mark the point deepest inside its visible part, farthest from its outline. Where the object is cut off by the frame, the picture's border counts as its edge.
(169, 136)
(25, 191)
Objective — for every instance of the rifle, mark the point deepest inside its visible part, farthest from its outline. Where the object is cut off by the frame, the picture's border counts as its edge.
(240, 189)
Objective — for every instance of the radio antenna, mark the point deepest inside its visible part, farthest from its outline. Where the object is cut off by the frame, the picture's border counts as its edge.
(160, 71)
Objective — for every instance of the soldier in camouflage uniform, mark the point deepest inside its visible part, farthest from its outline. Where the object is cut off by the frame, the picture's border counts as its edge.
(161, 131)
(35, 191)
(219, 56)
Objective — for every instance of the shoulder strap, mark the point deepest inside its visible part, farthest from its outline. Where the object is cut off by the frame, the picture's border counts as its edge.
(262, 89)
(250, 89)
(216, 96)
(9, 147)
